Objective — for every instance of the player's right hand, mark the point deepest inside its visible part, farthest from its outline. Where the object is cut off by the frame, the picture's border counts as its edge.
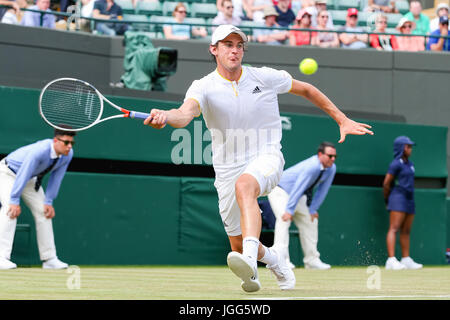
(157, 119)
(14, 211)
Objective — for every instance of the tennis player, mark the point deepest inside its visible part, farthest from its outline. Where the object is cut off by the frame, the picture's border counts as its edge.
(240, 108)
(21, 174)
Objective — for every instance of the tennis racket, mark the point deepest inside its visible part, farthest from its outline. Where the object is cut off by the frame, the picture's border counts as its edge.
(75, 105)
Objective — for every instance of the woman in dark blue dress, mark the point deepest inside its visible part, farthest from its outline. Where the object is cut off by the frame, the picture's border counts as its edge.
(400, 203)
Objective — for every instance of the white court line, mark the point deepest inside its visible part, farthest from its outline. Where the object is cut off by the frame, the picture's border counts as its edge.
(353, 297)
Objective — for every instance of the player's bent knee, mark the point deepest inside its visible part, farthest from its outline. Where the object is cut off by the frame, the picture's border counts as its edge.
(247, 186)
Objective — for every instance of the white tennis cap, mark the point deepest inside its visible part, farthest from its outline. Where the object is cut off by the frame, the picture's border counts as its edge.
(224, 30)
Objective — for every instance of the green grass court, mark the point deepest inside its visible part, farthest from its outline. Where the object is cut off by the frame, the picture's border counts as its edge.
(219, 283)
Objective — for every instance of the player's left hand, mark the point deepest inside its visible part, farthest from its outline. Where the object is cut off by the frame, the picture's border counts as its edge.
(349, 126)
(49, 211)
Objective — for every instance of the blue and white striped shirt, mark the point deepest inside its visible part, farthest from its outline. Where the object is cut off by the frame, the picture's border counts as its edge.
(30, 160)
(298, 178)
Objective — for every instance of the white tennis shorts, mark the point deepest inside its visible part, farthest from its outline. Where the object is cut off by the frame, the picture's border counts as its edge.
(267, 170)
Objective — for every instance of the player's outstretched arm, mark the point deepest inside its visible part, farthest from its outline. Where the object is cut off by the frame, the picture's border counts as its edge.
(177, 118)
(346, 125)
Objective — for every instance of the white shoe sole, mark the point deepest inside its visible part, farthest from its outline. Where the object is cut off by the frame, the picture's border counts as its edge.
(243, 270)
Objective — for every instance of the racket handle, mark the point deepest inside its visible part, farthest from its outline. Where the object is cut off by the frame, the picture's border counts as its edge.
(139, 115)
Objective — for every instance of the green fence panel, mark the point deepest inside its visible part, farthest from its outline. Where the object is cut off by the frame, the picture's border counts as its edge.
(112, 219)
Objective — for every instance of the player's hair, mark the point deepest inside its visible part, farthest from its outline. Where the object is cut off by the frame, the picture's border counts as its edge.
(59, 132)
(323, 145)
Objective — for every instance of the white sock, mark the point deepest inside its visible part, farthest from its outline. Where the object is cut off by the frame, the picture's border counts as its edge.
(269, 258)
(250, 248)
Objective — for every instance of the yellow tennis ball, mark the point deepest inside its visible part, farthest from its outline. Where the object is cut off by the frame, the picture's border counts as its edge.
(308, 66)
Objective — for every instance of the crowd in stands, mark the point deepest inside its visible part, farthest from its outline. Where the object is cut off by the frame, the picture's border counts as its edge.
(273, 22)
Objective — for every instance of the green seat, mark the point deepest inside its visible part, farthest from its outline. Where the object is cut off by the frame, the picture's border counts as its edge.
(339, 17)
(247, 26)
(203, 10)
(402, 6)
(157, 23)
(139, 22)
(126, 5)
(25, 227)
(393, 19)
(345, 4)
(149, 8)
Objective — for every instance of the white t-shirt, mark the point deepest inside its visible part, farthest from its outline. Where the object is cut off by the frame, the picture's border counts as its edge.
(243, 117)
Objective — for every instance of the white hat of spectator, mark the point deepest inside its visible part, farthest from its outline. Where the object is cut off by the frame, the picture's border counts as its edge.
(224, 31)
(403, 21)
(270, 11)
(442, 6)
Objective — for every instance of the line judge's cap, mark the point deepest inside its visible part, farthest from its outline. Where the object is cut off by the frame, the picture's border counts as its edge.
(224, 30)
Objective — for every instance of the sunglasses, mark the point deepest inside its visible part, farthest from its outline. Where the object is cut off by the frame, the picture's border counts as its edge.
(354, 16)
(181, 11)
(331, 156)
(407, 26)
(66, 142)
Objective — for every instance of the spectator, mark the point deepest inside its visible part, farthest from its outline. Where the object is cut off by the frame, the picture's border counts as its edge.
(8, 3)
(409, 43)
(270, 36)
(238, 9)
(325, 39)
(318, 6)
(255, 9)
(382, 41)
(386, 6)
(400, 202)
(302, 21)
(415, 14)
(293, 200)
(108, 10)
(352, 40)
(86, 11)
(13, 16)
(285, 14)
(440, 44)
(225, 15)
(442, 9)
(182, 32)
(33, 19)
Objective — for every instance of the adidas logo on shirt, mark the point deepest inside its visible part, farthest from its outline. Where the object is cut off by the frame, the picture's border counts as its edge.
(256, 90)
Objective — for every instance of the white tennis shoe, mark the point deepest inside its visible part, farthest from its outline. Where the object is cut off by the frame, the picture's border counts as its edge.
(54, 263)
(410, 263)
(6, 264)
(243, 268)
(317, 264)
(283, 273)
(393, 264)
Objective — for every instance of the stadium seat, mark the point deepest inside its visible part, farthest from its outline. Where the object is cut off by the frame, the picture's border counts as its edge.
(169, 6)
(138, 18)
(362, 18)
(203, 10)
(126, 5)
(345, 4)
(157, 22)
(149, 8)
(402, 6)
(246, 26)
(339, 17)
(393, 19)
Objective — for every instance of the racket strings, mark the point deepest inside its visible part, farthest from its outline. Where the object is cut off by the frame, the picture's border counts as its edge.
(70, 103)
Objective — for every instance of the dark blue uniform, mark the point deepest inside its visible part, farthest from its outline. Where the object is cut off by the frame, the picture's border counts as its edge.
(401, 197)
